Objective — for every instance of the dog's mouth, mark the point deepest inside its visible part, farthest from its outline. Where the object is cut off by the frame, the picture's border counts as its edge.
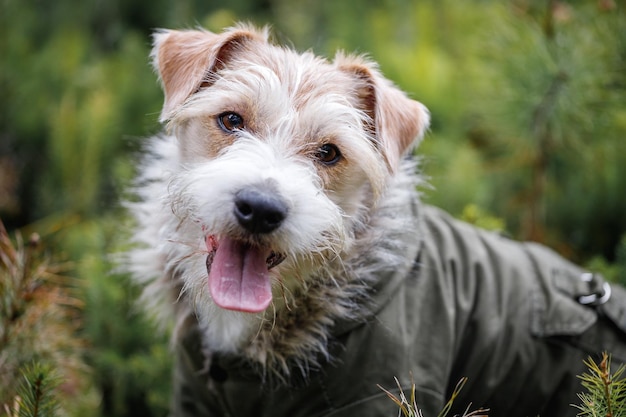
(239, 277)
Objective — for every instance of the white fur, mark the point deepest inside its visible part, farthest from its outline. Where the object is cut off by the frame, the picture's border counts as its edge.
(186, 201)
(178, 199)
(341, 224)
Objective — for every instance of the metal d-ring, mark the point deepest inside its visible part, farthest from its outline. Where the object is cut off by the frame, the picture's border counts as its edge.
(595, 299)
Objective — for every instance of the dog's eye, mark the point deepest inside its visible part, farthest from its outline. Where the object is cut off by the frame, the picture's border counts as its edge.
(328, 154)
(230, 122)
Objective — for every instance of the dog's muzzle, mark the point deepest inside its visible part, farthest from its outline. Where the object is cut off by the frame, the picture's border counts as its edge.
(238, 265)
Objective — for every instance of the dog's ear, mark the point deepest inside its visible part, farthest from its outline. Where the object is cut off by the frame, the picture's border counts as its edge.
(187, 60)
(397, 122)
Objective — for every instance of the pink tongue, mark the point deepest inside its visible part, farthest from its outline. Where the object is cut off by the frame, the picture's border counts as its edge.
(239, 279)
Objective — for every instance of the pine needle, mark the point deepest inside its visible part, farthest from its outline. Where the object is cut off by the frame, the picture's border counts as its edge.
(36, 394)
(606, 392)
(408, 407)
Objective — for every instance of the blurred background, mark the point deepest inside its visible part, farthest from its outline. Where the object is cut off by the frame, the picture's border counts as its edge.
(528, 137)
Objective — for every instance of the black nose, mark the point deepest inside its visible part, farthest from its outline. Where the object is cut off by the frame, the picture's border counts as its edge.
(258, 210)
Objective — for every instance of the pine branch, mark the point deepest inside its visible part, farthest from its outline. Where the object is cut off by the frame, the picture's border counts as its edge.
(36, 395)
(38, 323)
(408, 407)
(606, 392)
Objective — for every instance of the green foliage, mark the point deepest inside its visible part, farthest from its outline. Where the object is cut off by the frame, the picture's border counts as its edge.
(549, 122)
(475, 215)
(75, 102)
(528, 111)
(132, 360)
(36, 395)
(38, 322)
(605, 394)
(613, 271)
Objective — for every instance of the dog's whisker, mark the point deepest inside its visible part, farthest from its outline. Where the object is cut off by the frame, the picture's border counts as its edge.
(283, 293)
(180, 242)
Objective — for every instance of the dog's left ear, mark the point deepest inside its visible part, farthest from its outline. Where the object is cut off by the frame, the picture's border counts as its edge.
(397, 122)
(186, 60)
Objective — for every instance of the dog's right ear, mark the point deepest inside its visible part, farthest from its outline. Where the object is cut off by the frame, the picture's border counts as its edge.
(187, 60)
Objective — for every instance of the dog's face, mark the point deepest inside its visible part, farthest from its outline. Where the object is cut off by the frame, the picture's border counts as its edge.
(282, 156)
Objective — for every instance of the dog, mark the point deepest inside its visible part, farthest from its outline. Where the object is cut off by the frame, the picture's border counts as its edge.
(279, 226)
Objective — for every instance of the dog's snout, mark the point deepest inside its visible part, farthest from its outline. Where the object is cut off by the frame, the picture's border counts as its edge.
(259, 211)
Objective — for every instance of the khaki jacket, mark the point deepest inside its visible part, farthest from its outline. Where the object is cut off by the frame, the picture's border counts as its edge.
(507, 315)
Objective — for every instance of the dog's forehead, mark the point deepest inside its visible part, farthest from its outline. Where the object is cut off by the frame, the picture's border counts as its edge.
(302, 77)
(280, 91)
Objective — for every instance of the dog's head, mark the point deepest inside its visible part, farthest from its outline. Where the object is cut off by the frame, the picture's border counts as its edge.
(281, 153)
